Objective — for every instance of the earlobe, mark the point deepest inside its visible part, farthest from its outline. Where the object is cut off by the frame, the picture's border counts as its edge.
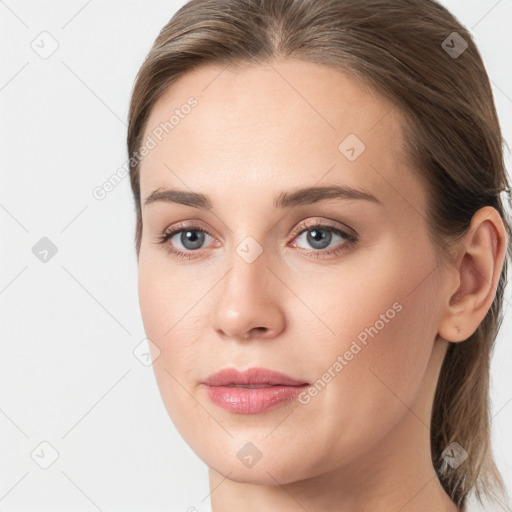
(480, 264)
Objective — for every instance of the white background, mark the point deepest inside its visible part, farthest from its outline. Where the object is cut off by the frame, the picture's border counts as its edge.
(68, 327)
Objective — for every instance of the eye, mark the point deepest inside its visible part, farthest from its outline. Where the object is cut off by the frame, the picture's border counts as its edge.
(319, 236)
(190, 237)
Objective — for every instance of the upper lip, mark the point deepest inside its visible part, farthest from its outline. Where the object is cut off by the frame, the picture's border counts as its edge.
(252, 376)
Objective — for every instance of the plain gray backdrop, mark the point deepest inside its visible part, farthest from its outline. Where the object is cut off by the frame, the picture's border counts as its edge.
(74, 397)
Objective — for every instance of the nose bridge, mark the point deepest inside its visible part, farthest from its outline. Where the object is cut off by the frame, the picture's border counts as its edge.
(247, 298)
(247, 256)
(248, 270)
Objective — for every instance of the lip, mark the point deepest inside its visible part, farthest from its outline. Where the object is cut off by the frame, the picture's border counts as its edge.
(252, 376)
(252, 391)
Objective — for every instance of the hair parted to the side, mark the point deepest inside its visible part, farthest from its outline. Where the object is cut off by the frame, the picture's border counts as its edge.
(452, 136)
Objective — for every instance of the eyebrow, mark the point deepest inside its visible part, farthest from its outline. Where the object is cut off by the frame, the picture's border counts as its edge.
(297, 197)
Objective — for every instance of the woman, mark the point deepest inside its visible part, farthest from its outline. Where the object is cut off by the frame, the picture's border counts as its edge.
(322, 250)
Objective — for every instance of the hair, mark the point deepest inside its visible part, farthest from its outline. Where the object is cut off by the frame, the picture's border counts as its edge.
(452, 136)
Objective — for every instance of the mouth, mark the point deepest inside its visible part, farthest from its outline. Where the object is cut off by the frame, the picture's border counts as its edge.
(253, 391)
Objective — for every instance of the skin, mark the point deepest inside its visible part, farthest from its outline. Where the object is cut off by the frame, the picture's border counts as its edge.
(362, 443)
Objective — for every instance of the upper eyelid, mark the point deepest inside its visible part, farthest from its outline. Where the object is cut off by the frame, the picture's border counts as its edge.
(335, 224)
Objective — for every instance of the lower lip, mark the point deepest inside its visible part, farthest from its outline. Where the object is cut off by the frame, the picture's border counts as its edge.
(252, 400)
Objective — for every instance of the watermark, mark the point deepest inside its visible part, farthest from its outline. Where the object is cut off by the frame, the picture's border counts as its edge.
(249, 454)
(146, 352)
(351, 147)
(44, 455)
(44, 250)
(157, 134)
(45, 45)
(249, 249)
(344, 359)
(454, 45)
(454, 455)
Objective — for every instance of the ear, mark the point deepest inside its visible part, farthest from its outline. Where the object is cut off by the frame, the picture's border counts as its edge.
(472, 290)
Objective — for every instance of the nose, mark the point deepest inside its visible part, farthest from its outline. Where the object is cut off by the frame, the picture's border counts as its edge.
(249, 304)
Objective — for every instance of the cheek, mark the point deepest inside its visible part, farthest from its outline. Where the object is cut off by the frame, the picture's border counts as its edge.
(167, 297)
(401, 348)
(383, 382)
(384, 319)
(172, 319)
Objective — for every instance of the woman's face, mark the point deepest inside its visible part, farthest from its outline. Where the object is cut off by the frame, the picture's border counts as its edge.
(276, 286)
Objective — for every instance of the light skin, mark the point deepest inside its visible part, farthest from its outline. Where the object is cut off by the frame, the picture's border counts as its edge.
(363, 442)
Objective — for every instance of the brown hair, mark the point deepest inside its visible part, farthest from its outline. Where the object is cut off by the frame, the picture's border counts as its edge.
(400, 48)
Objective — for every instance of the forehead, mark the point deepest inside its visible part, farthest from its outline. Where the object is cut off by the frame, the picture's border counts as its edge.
(288, 123)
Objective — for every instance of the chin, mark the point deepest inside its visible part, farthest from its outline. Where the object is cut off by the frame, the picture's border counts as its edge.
(260, 474)
(244, 463)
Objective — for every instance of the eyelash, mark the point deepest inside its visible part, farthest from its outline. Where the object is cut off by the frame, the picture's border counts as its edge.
(318, 253)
